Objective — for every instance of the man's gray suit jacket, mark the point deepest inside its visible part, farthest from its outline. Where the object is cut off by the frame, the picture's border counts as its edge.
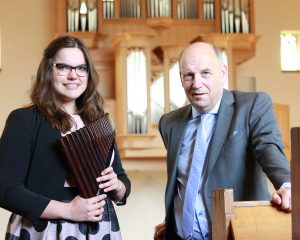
(246, 145)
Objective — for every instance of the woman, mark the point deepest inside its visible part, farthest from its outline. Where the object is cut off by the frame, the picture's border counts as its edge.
(35, 183)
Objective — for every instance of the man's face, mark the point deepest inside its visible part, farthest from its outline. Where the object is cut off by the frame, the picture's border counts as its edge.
(202, 76)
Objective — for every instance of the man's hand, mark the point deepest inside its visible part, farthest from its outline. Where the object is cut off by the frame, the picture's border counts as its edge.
(282, 197)
(159, 233)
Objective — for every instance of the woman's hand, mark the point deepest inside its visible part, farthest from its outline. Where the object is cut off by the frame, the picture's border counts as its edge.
(78, 210)
(90, 209)
(109, 182)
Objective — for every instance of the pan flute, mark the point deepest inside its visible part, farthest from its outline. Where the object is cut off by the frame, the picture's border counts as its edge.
(87, 152)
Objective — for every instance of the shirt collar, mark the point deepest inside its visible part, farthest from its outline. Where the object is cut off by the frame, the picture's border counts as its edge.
(215, 109)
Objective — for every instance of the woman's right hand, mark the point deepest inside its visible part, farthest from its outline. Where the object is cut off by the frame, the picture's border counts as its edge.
(78, 210)
(89, 209)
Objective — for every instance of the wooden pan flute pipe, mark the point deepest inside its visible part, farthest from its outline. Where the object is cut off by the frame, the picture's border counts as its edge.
(88, 151)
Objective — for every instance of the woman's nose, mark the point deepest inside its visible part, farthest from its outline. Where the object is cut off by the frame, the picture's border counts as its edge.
(72, 74)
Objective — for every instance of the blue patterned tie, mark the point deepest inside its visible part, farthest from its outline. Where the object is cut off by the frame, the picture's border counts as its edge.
(192, 188)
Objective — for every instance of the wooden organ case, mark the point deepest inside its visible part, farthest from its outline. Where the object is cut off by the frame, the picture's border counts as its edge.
(147, 36)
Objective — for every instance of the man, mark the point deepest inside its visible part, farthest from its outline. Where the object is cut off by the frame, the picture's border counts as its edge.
(242, 145)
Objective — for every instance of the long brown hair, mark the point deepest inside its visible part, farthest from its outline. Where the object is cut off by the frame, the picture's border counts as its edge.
(89, 104)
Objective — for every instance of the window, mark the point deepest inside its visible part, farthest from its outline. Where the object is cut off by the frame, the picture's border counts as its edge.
(290, 51)
(177, 94)
(157, 98)
(137, 99)
(108, 8)
(130, 9)
(82, 16)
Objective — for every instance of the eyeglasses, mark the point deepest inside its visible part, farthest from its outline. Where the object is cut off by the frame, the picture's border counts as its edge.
(65, 69)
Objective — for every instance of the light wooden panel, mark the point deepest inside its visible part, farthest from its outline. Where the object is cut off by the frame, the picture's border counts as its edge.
(282, 113)
(247, 220)
(261, 223)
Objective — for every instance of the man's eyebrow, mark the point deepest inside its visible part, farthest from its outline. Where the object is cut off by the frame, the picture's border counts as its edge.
(206, 70)
(185, 69)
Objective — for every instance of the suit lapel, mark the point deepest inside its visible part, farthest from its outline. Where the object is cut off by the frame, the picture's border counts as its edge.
(177, 135)
(223, 123)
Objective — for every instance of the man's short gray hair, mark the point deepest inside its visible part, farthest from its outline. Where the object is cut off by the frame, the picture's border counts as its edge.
(217, 51)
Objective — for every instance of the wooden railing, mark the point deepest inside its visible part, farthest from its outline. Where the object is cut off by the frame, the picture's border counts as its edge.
(247, 220)
(295, 166)
(227, 16)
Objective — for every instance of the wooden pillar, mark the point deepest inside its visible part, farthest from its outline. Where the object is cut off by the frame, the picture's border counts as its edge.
(123, 42)
(143, 8)
(147, 50)
(120, 84)
(100, 15)
(222, 212)
(171, 54)
(174, 9)
(295, 167)
(251, 17)
(61, 16)
(217, 13)
(167, 61)
(231, 69)
(200, 10)
(117, 9)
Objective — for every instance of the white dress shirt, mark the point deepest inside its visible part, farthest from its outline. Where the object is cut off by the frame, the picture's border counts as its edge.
(184, 163)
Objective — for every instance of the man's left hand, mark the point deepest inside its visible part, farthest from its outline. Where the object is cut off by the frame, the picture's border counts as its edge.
(282, 197)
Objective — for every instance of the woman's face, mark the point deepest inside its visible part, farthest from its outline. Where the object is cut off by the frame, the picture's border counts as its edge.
(70, 76)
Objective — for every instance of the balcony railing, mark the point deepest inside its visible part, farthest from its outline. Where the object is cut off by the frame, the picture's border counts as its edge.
(230, 16)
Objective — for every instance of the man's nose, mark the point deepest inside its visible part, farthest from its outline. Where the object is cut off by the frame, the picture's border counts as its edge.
(198, 81)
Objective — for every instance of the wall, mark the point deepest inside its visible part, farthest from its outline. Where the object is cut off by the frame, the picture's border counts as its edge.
(26, 30)
(271, 17)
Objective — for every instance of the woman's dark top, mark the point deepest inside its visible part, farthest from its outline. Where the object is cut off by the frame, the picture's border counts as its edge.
(32, 169)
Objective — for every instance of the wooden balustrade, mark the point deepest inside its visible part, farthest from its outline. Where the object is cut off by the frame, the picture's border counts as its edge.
(227, 17)
(169, 29)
